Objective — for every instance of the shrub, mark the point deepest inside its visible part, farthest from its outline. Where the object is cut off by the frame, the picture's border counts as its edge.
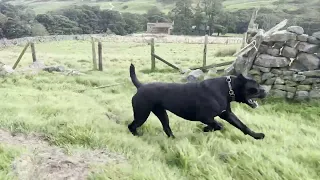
(39, 30)
(226, 52)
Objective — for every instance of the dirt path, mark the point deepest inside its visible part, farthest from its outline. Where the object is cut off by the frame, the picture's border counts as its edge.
(42, 161)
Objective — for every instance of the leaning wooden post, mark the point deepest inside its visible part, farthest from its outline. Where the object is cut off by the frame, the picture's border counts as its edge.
(20, 56)
(205, 51)
(166, 62)
(100, 56)
(94, 55)
(33, 50)
(153, 59)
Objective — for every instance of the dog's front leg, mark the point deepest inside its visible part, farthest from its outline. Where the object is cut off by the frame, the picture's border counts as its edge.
(232, 119)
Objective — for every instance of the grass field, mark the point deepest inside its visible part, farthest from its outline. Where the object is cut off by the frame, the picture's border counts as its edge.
(50, 103)
(141, 6)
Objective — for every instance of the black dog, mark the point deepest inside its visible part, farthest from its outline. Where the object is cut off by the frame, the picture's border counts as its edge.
(200, 101)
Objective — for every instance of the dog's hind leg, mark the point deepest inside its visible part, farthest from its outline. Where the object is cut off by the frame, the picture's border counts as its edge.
(140, 116)
(164, 119)
(212, 125)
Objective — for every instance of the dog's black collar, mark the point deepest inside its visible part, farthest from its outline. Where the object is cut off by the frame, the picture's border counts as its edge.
(231, 92)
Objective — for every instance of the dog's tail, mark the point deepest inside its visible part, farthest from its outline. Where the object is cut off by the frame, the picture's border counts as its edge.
(133, 76)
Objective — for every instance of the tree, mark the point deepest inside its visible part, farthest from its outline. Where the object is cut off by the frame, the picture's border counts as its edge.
(112, 20)
(19, 21)
(3, 19)
(241, 18)
(58, 24)
(27, 15)
(200, 20)
(16, 29)
(155, 15)
(267, 21)
(183, 17)
(9, 10)
(38, 29)
(1, 33)
(47, 21)
(227, 20)
(219, 29)
(213, 10)
(87, 17)
(133, 22)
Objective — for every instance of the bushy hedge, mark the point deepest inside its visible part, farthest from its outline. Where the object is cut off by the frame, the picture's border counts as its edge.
(18, 21)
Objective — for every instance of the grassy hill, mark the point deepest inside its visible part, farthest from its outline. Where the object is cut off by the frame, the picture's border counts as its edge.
(50, 103)
(141, 6)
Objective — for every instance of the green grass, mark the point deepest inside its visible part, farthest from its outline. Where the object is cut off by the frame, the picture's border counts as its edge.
(246, 4)
(225, 52)
(51, 104)
(7, 155)
(135, 6)
(142, 6)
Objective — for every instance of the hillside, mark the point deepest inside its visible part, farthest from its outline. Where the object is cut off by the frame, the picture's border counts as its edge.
(302, 13)
(141, 6)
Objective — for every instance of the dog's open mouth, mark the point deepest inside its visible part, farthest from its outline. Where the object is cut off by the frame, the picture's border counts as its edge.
(252, 103)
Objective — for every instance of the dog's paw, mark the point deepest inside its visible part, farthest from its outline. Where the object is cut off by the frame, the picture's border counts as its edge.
(259, 136)
(218, 127)
(135, 133)
(208, 129)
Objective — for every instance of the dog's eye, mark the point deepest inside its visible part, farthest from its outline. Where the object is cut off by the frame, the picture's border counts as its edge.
(253, 91)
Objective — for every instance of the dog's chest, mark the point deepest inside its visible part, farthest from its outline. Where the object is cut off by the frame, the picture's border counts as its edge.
(194, 110)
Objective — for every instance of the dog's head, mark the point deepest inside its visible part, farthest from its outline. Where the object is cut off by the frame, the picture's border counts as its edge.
(248, 90)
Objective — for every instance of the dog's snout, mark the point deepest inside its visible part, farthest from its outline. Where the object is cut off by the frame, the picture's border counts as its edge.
(262, 93)
(263, 89)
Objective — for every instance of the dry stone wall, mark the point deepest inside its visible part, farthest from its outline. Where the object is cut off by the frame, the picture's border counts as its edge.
(138, 38)
(288, 64)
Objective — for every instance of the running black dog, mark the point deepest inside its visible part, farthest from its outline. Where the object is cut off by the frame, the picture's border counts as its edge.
(200, 101)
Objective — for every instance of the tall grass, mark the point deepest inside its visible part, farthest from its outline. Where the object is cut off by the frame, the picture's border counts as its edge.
(7, 156)
(97, 118)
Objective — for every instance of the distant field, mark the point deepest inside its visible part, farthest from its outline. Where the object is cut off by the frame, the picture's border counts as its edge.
(118, 53)
(135, 6)
(141, 6)
(245, 4)
(51, 104)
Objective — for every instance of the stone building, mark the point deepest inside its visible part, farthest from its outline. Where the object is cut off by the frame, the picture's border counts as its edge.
(160, 28)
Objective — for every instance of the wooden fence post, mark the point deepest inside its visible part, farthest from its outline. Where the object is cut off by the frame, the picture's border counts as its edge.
(153, 59)
(100, 56)
(205, 50)
(244, 40)
(94, 55)
(33, 50)
(20, 56)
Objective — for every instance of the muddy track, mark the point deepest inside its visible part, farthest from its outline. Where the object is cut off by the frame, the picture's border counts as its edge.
(42, 161)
